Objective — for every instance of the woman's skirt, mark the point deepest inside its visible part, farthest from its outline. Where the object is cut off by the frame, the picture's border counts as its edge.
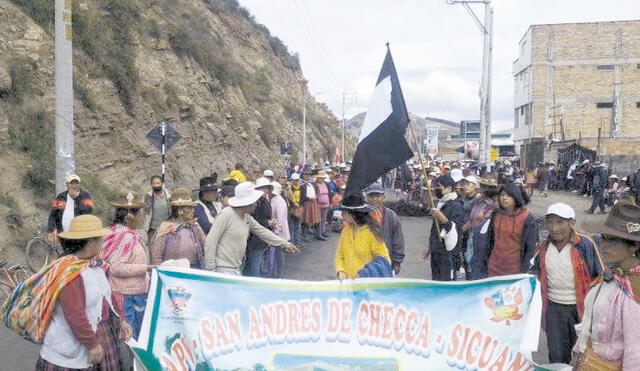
(311, 212)
(108, 338)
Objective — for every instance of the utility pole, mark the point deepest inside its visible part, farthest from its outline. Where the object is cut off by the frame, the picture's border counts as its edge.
(65, 162)
(486, 29)
(304, 131)
(344, 126)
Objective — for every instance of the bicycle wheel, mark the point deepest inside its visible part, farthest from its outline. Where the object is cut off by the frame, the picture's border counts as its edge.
(37, 252)
(19, 273)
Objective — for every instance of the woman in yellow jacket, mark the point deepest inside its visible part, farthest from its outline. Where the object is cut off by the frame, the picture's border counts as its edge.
(360, 241)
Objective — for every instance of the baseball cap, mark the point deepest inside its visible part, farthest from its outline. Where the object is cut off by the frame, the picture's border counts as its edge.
(72, 177)
(446, 181)
(375, 188)
(562, 210)
(267, 173)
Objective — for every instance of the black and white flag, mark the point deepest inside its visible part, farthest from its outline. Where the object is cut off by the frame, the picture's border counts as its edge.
(381, 145)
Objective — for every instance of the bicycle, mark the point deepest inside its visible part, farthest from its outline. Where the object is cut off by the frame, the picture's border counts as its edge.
(39, 253)
(10, 278)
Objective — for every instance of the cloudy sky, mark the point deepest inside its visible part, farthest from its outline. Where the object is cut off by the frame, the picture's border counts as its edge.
(437, 48)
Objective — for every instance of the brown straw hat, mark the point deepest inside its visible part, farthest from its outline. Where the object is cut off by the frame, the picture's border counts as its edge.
(182, 197)
(128, 200)
(623, 222)
(83, 227)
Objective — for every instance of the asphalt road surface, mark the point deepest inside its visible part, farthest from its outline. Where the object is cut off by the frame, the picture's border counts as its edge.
(315, 262)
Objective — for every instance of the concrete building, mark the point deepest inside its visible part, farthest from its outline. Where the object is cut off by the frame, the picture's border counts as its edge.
(573, 82)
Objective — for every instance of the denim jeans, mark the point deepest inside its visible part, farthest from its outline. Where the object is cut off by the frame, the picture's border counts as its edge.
(295, 227)
(255, 257)
(134, 306)
(322, 227)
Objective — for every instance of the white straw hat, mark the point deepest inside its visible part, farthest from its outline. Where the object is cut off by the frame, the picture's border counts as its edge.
(262, 182)
(245, 195)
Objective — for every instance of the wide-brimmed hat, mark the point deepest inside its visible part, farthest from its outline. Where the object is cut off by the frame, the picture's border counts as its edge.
(128, 200)
(83, 227)
(623, 222)
(355, 202)
(245, 195)
(488, 182)
(208, 184)
(182, 197)
(295, 176)
(263, 182)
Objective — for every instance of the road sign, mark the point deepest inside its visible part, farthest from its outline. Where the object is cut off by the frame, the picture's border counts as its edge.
(163, 136)
(163, 129)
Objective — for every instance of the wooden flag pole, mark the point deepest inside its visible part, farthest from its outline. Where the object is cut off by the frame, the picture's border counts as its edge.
(425, 180)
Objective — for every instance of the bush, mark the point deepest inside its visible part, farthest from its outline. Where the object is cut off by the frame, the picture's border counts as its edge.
(101, 194)
(109, 42)
(41, 11)
(21, 72)
(258, 88)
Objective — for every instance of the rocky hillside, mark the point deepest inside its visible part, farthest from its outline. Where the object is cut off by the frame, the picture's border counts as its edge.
(231, 90)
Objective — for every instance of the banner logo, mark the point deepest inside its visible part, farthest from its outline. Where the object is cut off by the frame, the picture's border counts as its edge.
(504, 305)
(179, 299)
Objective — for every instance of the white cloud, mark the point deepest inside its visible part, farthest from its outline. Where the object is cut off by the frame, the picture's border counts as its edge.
(436, 47)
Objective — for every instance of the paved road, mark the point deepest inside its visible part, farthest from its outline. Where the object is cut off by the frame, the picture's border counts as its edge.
(315, 262)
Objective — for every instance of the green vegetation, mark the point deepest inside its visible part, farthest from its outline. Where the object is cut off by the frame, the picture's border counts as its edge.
(101, 194)
(109, 42)
(42, 11)
(257, 89)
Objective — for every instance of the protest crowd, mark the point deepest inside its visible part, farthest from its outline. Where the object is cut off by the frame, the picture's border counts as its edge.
(246, 224)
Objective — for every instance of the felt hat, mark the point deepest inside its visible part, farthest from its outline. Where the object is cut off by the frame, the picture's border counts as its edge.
(245, 195)
(208, 184)
(128, 200)
(355, 202)
(321, 174)
(83, 227)
(623, 221)
(182, 197)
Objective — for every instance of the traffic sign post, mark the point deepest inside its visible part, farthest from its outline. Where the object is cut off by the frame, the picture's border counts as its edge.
(163, 136)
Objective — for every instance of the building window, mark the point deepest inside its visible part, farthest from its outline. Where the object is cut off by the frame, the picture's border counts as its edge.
(638, 66)
(518, 116)
(637, 104)
(604, 105)
(604, 67)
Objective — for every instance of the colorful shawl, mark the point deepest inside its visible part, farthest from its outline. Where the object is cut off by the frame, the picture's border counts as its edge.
(480, 212)
(29, 309)
(118, 243)
(622, 279)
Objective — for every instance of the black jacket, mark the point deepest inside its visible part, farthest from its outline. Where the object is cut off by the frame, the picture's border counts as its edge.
(83, 205)
(453, 210)
(599, 178)
(262, 216)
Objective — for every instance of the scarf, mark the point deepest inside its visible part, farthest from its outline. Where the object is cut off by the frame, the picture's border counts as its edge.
(480, 211)
(118, 243)
(622, 278)
(29, 309)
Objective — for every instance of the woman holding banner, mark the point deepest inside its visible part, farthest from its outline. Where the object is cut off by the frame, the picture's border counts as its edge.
(361, 250)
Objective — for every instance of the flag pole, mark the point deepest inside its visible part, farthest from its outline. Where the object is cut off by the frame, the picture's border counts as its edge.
(424, 179)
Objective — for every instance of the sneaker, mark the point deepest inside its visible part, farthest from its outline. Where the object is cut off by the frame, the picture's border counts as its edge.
(320, 238)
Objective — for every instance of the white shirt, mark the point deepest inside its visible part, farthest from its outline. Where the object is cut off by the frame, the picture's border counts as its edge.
(560, 275)
(69, 213)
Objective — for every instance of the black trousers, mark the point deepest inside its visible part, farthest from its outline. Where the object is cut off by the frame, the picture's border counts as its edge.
(441, 266)
(598, 200)
(561, 333)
